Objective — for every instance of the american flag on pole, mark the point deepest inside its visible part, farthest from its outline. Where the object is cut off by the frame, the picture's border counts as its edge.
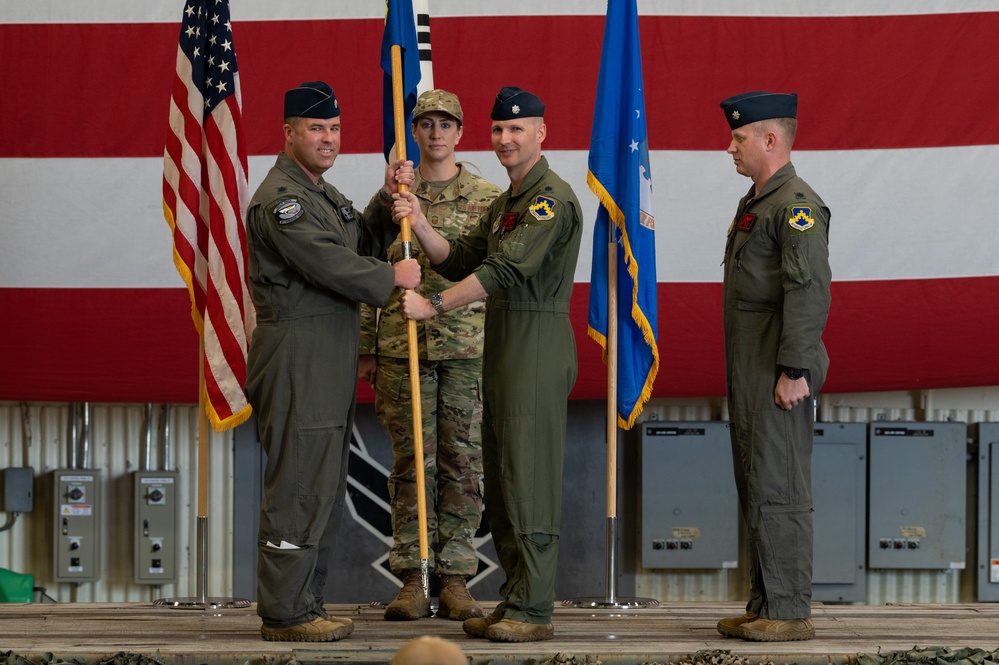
(205, 194)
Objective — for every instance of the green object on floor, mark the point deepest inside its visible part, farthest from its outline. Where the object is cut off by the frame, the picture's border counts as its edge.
(16, 587)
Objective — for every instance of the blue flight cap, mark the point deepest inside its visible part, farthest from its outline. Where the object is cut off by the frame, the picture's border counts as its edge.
(759, 105)
(312, 99)
(516, 103)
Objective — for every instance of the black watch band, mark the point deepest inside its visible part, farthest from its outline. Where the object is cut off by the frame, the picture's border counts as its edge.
(793, 373)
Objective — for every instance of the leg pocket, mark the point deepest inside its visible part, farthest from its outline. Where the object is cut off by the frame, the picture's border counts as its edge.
(320, 460)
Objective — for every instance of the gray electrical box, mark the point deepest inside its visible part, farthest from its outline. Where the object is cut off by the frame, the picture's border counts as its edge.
(77, 555)
(987, 445)
(157, 502)
(839, 500)
(690, 509)
(918, 495)
(18, 489)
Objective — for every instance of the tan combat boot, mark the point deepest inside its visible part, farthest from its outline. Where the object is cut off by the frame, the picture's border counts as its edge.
(455, 601)
(411, 603)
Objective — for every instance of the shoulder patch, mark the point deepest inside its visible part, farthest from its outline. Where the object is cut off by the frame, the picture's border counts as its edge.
(543, 208)
(288, 211)
(800, 218)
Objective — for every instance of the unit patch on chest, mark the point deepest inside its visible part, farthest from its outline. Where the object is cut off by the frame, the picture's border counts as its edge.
(746, 221)
(288, 211)
(800, 218)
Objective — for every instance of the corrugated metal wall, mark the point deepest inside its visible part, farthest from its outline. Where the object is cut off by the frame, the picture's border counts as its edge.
(968, 405)
(39, 435)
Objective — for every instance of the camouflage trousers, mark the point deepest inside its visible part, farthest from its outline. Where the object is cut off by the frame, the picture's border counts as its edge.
(451, 403)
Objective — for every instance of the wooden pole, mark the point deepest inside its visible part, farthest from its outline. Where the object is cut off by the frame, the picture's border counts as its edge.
(611, 545)
(399, 116)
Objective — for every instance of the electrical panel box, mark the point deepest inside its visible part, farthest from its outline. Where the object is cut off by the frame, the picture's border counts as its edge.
(156, 511)
(986, 437)
(918, 495)
(690, 508)
(77, 555)
(19, 489)
(839, 500)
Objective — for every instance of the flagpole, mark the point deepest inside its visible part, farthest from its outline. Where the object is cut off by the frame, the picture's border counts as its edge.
(611, 545)
(399, 116)
(201, 601)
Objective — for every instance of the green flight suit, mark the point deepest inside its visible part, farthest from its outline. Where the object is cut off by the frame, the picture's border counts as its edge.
(524, 254)
(776, 301)
(450, 362)
(309, 267)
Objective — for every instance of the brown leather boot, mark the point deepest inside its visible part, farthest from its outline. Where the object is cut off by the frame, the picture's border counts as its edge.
(411, 603)
(455, 601)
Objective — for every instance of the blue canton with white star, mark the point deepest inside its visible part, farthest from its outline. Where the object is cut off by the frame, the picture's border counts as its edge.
(206, 39)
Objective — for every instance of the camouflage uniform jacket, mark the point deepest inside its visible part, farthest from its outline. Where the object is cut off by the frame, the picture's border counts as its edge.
(457, 334)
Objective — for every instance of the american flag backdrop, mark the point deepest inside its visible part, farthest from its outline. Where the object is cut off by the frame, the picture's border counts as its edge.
(204, 201)
(895, 133)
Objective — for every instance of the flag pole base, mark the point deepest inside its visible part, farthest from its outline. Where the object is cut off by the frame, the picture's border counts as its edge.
(605, 604)
(193, 603)
(202, 601)
(610, 600)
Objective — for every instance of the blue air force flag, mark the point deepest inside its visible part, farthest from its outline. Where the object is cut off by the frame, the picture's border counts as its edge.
(400, 30)
(620, 176)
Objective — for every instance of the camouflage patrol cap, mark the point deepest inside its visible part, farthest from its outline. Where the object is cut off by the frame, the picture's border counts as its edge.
(513, 103)
(438, 100)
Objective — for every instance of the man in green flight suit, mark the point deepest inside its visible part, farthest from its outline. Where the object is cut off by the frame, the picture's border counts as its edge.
(775, 304)
(522, 258)
(311, 262)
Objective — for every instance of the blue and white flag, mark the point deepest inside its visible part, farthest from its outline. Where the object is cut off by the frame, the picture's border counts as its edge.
(400, 30)
(620, 176)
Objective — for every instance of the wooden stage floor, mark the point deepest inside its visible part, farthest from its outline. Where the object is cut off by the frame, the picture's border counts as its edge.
(674, 632)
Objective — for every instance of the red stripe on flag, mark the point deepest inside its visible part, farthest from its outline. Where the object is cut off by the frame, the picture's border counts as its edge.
(863, 81)
(138, 345)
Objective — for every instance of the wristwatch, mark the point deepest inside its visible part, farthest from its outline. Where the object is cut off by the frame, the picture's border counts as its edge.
(437, 300)
(792, 373)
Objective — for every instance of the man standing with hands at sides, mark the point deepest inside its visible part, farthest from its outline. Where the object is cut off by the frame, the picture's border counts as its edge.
(522, 258)
(450, 349)
(775, 304)
(310, 263)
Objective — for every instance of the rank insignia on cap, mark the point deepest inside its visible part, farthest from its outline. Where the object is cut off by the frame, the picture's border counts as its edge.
(801, 218)
(735, 115)
(288, 211)
(543, 208)
(515, 109)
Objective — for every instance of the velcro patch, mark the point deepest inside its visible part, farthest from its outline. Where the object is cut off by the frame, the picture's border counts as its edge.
(288, 211)
(509, 221)
(543, 208)
(746, 221)
(800, 218)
